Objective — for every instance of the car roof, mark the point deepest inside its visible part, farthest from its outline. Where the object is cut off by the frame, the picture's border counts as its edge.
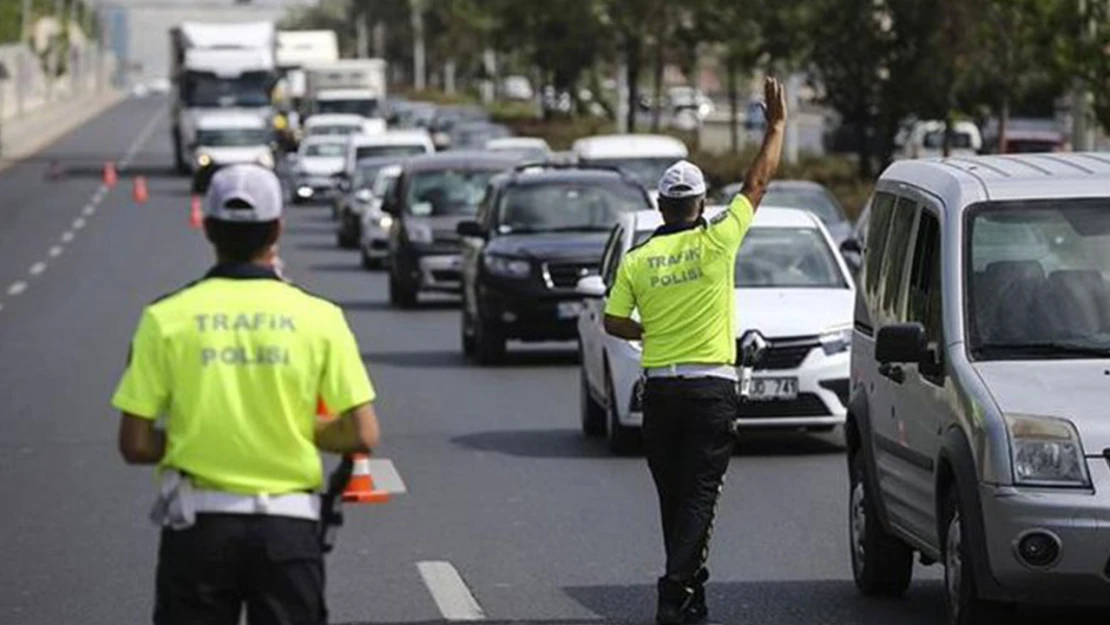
(321, 119)
(516, 142)
(964, 180)
(627, 145)
(313, 139)
(539, 175)
(341, 94)
(230, 119)
(392, 137)
(765, 217)
(461, 159)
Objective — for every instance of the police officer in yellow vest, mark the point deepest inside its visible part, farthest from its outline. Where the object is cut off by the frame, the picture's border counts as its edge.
(234, 364)
(681, 283)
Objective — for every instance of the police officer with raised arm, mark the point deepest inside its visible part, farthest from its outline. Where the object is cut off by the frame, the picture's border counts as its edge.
(681, 283)
(234, 364)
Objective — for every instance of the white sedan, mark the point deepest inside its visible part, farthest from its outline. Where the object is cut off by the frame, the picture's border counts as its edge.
(791, 286)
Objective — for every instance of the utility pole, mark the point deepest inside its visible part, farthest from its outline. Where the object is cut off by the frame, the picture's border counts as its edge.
(1080, 96)
(418, 62)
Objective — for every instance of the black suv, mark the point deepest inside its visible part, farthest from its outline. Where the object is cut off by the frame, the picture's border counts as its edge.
(433, 194)
(539, 230)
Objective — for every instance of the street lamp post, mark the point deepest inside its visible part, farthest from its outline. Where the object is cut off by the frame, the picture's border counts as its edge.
(418, 62)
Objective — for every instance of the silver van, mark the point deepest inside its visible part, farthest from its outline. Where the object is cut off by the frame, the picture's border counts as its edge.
(976, 429)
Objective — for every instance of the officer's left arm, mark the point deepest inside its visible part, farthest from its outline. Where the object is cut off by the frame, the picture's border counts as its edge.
(619, 307)
(142, 395)
(139, 441)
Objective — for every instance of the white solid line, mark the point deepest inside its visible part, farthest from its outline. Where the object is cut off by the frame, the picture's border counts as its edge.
(37, 268)
(17, 287)
(449, 591)
(140, 140)
(385, 476)
(78, 223)
(88, 210)
(56, 251)
(67, 236)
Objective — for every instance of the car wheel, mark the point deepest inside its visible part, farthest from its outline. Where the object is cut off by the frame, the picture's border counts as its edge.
(400, 295)
(489, 344)
(882, 565)
(466, 332)
(961, 598)
(593, 413)
(344, 237)
(367, 262)
(622, 439)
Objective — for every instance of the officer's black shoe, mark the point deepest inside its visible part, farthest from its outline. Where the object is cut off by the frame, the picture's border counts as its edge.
(674, 600)
(696, 612)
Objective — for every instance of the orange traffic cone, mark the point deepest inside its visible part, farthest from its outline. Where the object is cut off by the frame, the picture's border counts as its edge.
(360, 489)
(139, 191)
(196, 218)
(110, 176)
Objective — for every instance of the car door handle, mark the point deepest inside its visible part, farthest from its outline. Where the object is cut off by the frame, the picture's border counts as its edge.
(894, 373)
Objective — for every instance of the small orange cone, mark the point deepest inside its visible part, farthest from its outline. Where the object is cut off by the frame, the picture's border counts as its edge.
(140, 192)
(196, 220)
(361, 487)
(110, 176)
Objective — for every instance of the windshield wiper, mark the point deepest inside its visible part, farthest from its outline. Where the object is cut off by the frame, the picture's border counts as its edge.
(1046, 348)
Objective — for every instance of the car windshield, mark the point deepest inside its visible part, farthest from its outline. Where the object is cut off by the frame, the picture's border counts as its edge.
(372, 151)
(935, 140)
(647, 170)
(816, 201)
(203, 89)
(568, 206)
(324, 149)
(447, 192)
(232, 137)
(784, 258)
(340, 130)
(1037, 279)
(366, 108)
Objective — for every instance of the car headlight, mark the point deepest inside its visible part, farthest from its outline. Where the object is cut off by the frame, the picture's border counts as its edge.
(836, 340)
(1046, 451)
(385, 222)
(419, 233)
(203, 160)
(507, 267)
(266, 160)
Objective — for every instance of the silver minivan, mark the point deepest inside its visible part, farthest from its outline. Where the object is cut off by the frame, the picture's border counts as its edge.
(976, 429)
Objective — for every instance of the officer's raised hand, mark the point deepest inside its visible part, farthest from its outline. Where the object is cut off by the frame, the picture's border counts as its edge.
(766, 163)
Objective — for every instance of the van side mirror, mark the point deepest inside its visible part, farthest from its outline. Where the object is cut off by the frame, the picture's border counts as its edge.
(852, 252)
(900, 343)
(592, 287)
(471, 229)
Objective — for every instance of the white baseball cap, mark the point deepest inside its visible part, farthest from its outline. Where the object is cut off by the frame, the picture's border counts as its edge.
(681, 180)
(244, 194)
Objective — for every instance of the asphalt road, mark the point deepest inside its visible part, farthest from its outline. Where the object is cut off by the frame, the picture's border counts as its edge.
(539, 525)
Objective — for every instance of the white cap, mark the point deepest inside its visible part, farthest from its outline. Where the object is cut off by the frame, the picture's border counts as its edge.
(683, 179)
(254, 186)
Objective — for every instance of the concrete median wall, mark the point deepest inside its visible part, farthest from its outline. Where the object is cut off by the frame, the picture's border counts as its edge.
(29, 89)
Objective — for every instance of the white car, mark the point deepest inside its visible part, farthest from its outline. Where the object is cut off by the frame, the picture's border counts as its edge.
(645, 157)
(397, 143)
(231, 138)
(530, 149)
(925, 139)
(319, 162)
(374, 244)
(791, 286)
(342, 124)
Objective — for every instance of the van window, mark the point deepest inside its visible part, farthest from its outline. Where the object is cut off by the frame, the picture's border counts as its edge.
(882, 208)
(923, 298)
(894, 257)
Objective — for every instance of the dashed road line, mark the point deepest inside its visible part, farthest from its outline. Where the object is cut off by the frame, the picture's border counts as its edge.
(37, 268)
(67, 236)
(141, 139)
(449, 591)
(79, 223)
(88, 210)
(17, 287)
(55, 251)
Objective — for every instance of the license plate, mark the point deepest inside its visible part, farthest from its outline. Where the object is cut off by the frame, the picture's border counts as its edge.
(770, 389)
(568, 310)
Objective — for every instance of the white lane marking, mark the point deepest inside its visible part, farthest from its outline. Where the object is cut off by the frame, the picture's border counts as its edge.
(449, 591)
(17, 287)
(37, 269)
(56, 251)
(385, 476)
(67, 236)
(99, 195)
(88, 210)
(78, 223)
(141, 139)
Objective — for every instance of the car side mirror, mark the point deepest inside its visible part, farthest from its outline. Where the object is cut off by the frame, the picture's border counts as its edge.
(900, 343)
(851, 246)
(591, 287)
(852, 252)
(364, 195)
(471, 229)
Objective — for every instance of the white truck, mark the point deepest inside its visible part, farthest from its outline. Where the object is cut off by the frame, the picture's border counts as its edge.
(298, 49)
(218, 66)
(348, 86)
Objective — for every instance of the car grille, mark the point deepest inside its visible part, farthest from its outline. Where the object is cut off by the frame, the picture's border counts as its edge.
(567, 275)
(838, 386)
(806, 405)
(785, 353)
(446, 275)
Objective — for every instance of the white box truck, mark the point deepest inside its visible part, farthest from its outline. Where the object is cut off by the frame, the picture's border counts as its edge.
(218, 66)
(348, 86)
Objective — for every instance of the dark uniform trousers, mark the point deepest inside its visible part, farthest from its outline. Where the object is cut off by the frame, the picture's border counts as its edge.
(688, 442)
(273, 565)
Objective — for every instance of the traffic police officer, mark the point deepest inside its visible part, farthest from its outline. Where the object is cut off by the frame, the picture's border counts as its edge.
(681, 282)
(234, 364)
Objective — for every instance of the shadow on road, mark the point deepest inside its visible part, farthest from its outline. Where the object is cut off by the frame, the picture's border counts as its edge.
(534, 443)
(418, 360)
(456, 359)
(791, 443)
(313, 246)
(345, 267)
(383, 305)
(63, 168)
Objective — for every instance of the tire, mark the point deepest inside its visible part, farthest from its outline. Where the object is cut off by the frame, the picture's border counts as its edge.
(882, 565)
(593, 413)
(622, 440)
(963, 605)
(400, 295)
(489, 344)
(367, 262)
